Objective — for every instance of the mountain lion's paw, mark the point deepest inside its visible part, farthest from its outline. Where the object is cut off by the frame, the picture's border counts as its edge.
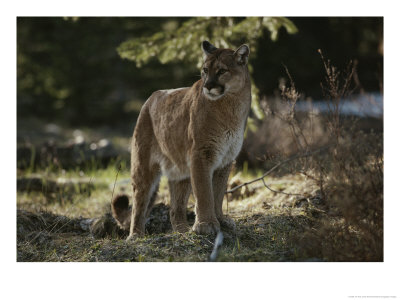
(206, 227)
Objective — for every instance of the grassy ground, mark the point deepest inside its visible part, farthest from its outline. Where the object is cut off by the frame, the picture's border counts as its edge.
(75, 224)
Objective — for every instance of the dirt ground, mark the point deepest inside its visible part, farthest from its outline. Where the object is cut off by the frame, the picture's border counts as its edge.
(267, 225)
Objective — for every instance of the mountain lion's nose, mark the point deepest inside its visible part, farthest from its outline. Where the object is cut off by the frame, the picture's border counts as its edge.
(209, 85)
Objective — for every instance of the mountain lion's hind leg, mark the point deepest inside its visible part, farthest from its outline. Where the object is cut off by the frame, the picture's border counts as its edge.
(145, 173)
(144, 192)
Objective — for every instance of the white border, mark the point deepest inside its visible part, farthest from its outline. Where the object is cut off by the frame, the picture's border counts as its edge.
(197, 280)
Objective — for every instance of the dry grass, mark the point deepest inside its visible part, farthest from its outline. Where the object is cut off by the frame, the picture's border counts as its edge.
(266, 226)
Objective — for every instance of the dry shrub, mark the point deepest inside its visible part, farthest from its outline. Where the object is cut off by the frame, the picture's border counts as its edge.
(275, 138)
(284, 131)
(349, 173)
(352, 228)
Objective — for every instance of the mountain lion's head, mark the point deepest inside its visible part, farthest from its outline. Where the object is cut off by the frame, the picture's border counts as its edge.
(224, 71)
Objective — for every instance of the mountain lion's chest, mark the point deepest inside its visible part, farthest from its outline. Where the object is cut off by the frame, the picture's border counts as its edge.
(229, 148)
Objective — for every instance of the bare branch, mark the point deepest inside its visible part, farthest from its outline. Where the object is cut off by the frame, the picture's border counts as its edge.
(306, 154)
(116, 177)
(281, 192)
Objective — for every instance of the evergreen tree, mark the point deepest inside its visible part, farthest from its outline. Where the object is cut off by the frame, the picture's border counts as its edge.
(181, 41)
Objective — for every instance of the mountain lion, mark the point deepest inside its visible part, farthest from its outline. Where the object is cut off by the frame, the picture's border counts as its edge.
(191, 135)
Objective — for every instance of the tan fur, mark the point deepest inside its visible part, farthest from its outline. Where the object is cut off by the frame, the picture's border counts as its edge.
(193, 139)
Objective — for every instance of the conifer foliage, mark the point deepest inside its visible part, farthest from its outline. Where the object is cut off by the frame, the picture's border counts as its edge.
(181, 41)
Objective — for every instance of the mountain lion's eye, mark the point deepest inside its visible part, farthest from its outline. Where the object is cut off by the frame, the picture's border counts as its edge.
(205, 70)
(222, 71)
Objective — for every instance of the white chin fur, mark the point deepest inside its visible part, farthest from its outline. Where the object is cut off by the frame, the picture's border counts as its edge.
(211, 96)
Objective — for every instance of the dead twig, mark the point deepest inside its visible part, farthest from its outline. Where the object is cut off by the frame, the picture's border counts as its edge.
(281, 192)
(306, 154)
(116, 176)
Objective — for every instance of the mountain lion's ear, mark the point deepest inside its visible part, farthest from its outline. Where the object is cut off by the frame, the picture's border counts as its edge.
(242, 54)
(207, 48)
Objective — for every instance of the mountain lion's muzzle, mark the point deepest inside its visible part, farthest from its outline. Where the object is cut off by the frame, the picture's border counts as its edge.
(212, 90)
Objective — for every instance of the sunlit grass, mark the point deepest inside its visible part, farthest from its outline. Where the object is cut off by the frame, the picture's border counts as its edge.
(253, 241)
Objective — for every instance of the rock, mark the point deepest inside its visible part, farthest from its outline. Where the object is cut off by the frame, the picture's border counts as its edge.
(86, 223)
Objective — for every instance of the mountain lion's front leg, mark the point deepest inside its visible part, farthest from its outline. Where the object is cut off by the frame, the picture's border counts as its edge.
(201, 177)
(220, 180)
(179, 192)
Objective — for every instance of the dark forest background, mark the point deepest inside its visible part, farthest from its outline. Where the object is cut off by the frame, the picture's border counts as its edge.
(69, 71)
